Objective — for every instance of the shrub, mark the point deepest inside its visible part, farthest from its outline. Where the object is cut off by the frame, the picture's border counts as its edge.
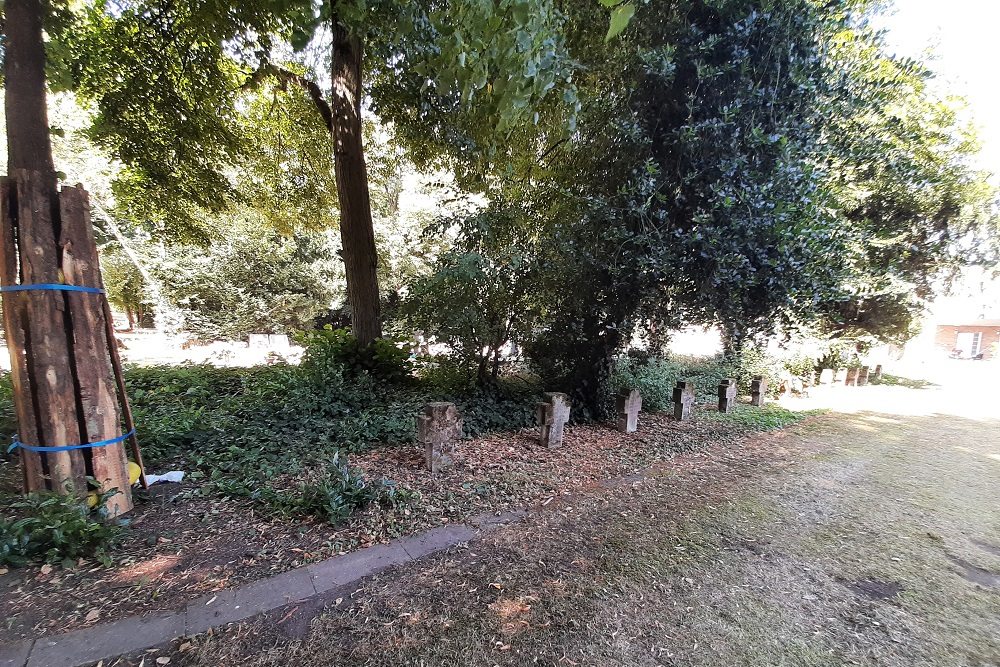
(333, 497)
(803, 367)
(478, 298)
(839, 354)
(655, 377)
(244, 430)
(53, 528)
(329, 349)
(752, 362)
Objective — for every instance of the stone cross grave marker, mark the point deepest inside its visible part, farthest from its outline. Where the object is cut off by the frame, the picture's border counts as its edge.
(863, 376)
(851, 380)
(727, 395)
(439, 428)
(683, 400)
(826, 376)
(758, 390)
(628, 405)
(551, 416)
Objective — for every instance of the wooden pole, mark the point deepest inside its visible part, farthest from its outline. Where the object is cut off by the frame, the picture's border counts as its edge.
(61, 368)
(116, 365)
(95, 377)
(48, 346)
(14, 316)
(65, 388)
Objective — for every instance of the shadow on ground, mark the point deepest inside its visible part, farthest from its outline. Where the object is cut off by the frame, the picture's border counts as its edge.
(863, 539)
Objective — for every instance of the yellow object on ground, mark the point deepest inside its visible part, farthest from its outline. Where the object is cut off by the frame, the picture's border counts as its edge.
(133, 472)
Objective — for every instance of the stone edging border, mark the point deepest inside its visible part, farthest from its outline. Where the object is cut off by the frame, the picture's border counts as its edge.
(136, 633)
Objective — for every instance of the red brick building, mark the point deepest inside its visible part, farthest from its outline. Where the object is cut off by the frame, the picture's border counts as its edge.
(970, 339)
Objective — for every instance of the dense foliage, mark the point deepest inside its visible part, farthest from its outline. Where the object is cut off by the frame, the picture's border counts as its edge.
(590, 177)
(772, 168)
(52, 528)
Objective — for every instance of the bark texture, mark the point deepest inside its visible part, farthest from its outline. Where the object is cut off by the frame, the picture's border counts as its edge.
(59, 342)
(356, 231)
(28, 144)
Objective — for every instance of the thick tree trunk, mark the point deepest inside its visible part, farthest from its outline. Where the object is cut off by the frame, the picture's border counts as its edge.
(28, 145)
(356, 231)
(64, 391)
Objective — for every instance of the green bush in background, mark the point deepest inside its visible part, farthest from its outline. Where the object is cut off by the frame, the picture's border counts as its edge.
(277, 434)
(655, 377)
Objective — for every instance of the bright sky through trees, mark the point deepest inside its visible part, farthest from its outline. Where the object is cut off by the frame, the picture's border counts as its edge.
(962, 35)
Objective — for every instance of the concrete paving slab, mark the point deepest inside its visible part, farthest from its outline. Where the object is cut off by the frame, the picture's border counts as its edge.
(312, 583)
(277, 591)
(16, 654)
(353, 566)
(106, 641)
(211, 611)
(488, 521)
(436, 539)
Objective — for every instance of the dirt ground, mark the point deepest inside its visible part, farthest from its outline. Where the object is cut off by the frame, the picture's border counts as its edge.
(181, 545)
(870, 536)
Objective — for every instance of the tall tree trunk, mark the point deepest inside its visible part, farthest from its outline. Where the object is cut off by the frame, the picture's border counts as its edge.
(28, 145)
(356, 231)
(61, 369)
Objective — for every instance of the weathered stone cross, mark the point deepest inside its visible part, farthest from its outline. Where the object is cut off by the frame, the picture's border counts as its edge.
(552, 416)
(758, 390)
(727, 395)
(628, 405)
(683, 400)
(439, 428)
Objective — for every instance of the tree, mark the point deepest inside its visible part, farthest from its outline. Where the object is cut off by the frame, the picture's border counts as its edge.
(912, 207)
(693, 198)
(202, 54)
(711, 192)
(125, 285)
(250, 280)
(477, 300)
(28, 145)
(731, 109)
(60, 343)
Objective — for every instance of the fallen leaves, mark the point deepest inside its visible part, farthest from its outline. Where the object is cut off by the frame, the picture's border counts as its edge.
(190, 546)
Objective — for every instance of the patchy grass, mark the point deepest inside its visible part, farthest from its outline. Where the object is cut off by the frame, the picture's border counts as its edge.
(900, 381)
(766, 418)
(182, 546)
(759, 555)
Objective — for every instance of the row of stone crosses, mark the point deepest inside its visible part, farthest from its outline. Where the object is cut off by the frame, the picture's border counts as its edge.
(439, 427)
(850, 377)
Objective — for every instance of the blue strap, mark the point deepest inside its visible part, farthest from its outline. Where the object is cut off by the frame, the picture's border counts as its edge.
(52, 287)
(15, 444)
